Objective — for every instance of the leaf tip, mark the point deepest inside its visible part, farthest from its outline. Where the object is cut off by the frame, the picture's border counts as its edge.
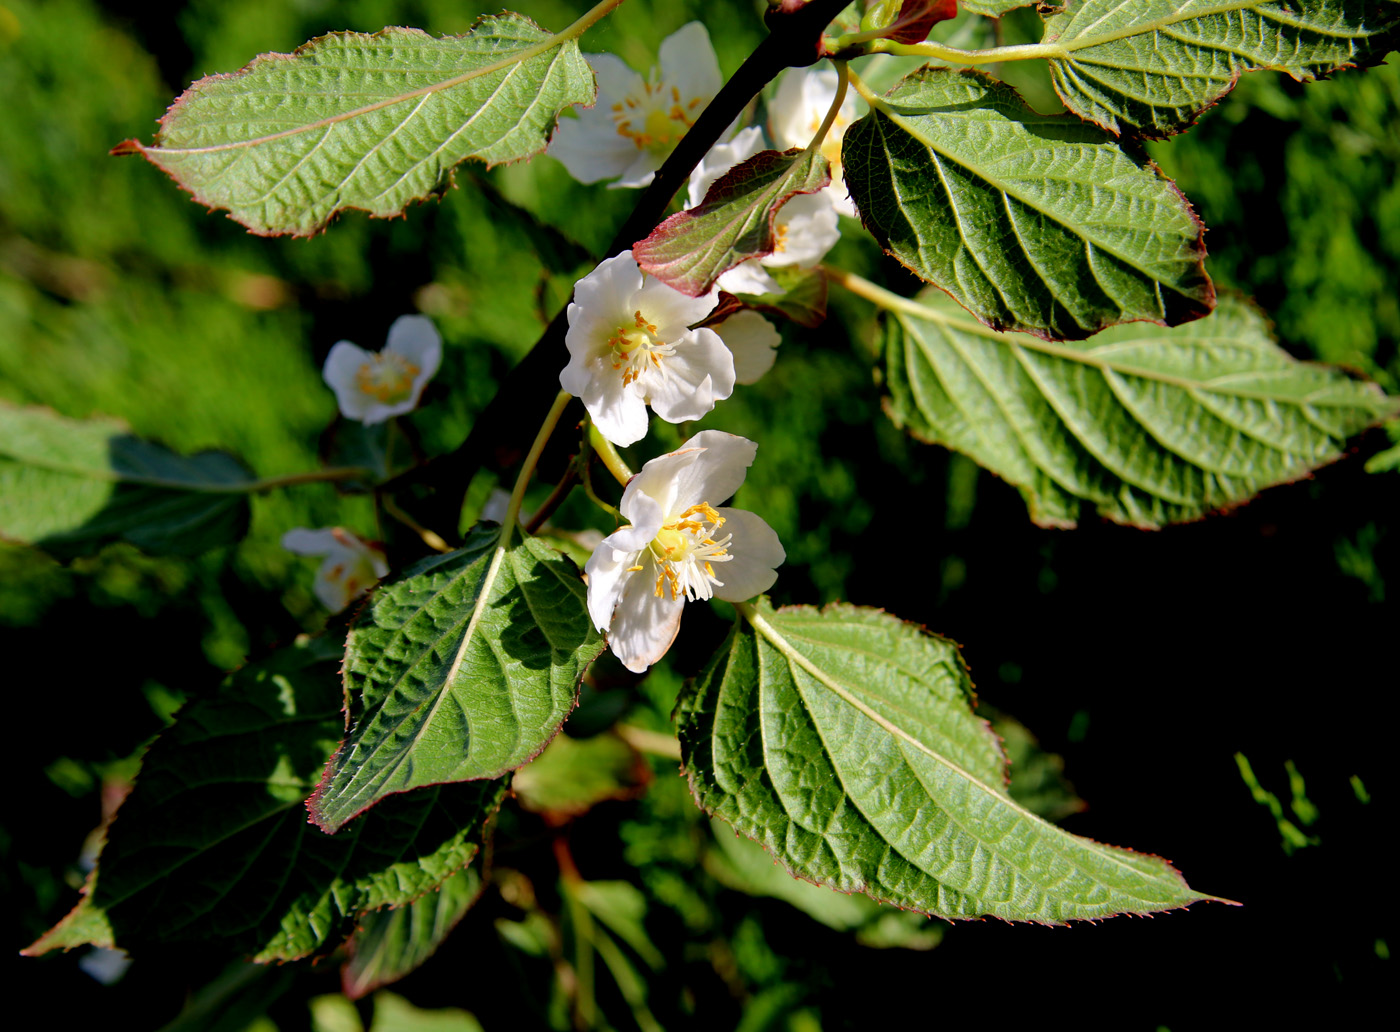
(127, 147)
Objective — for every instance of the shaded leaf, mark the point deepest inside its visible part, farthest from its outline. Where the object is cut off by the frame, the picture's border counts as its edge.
(1144, 425)
(1152, 66)
(462, 668)
(843, 741)
(803, 299)
(1031, 222)
(372, 122)
(213, 844)
(692, 249)
(1038, 779)
(391, 943)
(996, 8)
(71, 485)
(573, 775)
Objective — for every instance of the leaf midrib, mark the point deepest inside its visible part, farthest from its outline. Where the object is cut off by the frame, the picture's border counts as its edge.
(517, 58)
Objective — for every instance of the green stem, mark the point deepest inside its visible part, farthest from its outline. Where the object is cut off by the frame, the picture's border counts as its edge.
(609, 455)
(862, 287)
(517, 495)
(594, 15)
(843, 79)
(995, 55)
(654, 743)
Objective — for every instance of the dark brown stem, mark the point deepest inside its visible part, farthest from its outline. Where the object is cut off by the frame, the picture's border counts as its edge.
(505, 428)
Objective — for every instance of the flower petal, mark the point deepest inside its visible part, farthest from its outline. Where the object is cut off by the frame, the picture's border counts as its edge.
(670, 311)
(720, 159)
(416, 339)
(606, 570)
(616, 81)
(688, 62)
(343, 363)
(756, 551)
(752, 340)
(643, 625)
(305, 541)
(749, 278)
(812, 229)
(687, 384)
(608, 291)
(618, 410)
(718, 472)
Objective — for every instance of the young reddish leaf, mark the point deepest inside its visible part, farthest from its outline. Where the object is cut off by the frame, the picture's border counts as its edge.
(692, 249)
(916, 19)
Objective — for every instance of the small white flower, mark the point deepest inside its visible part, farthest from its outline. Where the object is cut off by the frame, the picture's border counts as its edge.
(630, 346)
(679, 546)
(795, 114)
(636, 122)
(351, 566)
(806, 227)
(372, 386)
(751, 339)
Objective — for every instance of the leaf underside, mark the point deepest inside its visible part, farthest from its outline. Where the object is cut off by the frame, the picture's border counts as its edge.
(994, 8)
(1032, 222)
(372, 122)
(734, 223)
(439, 699)
(1143, 425)
(843, 741)
(1152, 66)
(213, 843)
(392, 943)
(70, 486)
(803, 299)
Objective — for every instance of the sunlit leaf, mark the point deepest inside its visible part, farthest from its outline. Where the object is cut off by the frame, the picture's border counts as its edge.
(844, 742)
(691, 249)
(1032, 222)
(71, 485)
(460, 669)
(372, 122)
(391, 943)
(1153, 65)
(213, 843)
(1143, 425)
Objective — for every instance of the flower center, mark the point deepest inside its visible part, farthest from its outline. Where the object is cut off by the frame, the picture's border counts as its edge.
(685, 550)
(656, 118)
(635, 347)
(387, 377)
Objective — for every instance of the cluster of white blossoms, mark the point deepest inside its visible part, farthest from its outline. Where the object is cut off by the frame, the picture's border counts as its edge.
(370, 387)
(635, 342)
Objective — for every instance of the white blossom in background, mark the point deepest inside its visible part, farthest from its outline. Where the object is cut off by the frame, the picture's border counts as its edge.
(351, 566)
(679, 546)
(636, 122)
(372, 386)
(795, 114)
(752, 340)
(805, 228)
(630, 346)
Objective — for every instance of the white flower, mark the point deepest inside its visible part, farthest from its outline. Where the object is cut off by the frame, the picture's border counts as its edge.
(630, 345)
(636, 122)
(372, 386)
(806, 227)
(751, 339)
(679, 546)
(795, 114)
(351, 566)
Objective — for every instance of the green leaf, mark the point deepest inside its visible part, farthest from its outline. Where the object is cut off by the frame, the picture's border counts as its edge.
(575, 774)
(692, 249)
(213, 843)
(843, 740)
(395, 1014)
(1031, 222)
(1145, 426)
(1038, 779)
(391, 943)
(462, 668)
(71, 485)
(372, 122)
(1152, 66)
